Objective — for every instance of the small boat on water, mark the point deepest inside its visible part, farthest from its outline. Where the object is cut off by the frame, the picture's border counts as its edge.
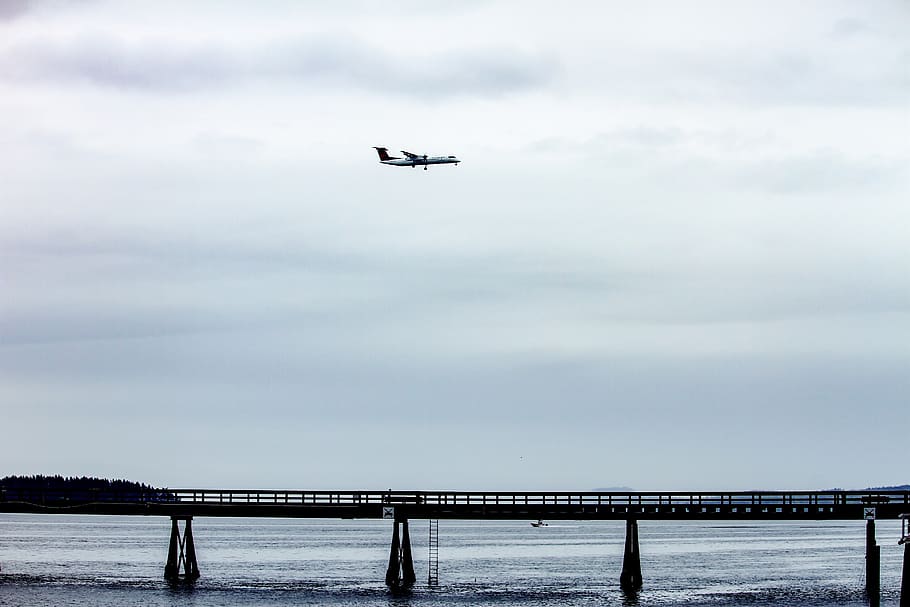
(539, 523)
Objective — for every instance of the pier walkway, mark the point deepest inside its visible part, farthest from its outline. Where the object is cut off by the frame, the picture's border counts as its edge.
(810, 505)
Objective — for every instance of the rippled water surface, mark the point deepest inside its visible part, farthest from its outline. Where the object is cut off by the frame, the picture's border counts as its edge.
(106, 561)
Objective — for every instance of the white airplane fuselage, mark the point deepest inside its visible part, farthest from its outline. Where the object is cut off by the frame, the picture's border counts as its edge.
(413, 160)
(421, 161)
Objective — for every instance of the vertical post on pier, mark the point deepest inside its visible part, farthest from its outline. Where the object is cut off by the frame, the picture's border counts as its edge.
(873, 562)
(905, 572)
(181, 551)
(172, 566)
(400, 574)
(190, 566)
(630, 578)
(408, 577)
(905, 577)
(393, 572)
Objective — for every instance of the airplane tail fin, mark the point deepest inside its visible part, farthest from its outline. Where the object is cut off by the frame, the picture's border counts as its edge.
(383, 153)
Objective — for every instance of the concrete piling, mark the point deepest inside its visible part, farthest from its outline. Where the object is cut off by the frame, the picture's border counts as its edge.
(630, 578)
(905, 577)
(190, 566)
(400, 574)
(873, 563)
(172, 566)
(181, 552)
(408, 577)
(393, 572)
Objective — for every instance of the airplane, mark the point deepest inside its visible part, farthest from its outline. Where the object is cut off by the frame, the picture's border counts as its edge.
(413, 160)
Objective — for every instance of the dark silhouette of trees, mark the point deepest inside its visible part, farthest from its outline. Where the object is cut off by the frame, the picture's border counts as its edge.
(78, 489)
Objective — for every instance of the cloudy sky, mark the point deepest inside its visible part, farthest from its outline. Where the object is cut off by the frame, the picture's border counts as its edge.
(676, 254)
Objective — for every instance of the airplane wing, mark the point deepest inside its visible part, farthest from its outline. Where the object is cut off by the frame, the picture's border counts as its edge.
(410, 155)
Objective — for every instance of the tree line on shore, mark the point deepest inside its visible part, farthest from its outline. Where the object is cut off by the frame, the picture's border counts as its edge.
(79, 488)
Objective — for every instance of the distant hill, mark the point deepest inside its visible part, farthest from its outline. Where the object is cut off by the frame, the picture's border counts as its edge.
(83, 488)
(888, 488)
(39, 481)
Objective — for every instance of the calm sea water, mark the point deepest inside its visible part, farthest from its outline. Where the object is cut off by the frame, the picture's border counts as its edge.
(105, 561)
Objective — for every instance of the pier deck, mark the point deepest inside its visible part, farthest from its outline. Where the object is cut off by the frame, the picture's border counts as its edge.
(804, 505)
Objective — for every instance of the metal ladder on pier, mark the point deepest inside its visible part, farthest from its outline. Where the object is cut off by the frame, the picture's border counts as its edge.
(433, 565)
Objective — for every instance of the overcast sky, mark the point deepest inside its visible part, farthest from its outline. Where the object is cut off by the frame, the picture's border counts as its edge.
(676, 254)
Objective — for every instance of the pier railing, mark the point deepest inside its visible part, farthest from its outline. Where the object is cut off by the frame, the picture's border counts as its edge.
(458, 498)
(454, 498)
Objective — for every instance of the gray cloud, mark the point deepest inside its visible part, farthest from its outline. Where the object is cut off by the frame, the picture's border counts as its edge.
(338, 63)
(801, 78)
(113, 63)
(14, 9)
(754, 77)
(733, 159)
(272, 386)
(822, 171)
(849, 27)
(114, 286)
(11, 9)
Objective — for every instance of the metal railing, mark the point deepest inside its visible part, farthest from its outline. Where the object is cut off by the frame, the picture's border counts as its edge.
(458, 498)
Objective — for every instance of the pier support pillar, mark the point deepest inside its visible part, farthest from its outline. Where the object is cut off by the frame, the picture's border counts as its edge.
(630, 578)
(400, 574)
(905, 577)
(181, 552)
(873, 563)
(408, 577)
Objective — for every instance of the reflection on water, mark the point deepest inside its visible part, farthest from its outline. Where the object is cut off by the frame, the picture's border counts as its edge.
(630, 597)
(106, 561)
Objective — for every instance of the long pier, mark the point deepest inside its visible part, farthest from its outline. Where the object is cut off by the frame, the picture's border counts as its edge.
(806, 505)
(401, 506)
